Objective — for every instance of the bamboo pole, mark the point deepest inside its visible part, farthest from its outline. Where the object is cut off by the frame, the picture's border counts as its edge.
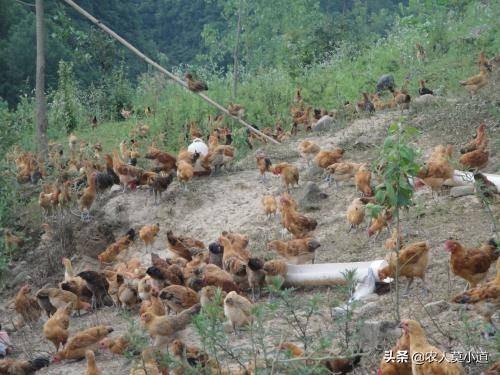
(153, 63)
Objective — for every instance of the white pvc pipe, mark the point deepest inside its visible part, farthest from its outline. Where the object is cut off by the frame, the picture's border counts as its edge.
(467, 178)
(332, 274)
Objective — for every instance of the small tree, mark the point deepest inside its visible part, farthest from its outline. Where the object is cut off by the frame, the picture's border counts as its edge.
(397, 164)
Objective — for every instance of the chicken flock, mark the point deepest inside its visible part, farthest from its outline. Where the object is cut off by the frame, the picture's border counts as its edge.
(168, 292)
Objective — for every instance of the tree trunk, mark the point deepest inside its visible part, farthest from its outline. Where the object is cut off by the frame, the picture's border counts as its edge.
(235, 54)
(41, 106)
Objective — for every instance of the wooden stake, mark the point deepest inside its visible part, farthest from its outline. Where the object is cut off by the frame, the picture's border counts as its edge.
(176, 79)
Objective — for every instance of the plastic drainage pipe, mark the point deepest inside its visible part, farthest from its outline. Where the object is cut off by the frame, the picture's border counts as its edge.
(333, 274)
(467, 178)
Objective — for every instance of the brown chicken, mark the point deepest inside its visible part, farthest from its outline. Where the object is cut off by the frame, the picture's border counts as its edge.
(148, 234)
(379, 223)
(289, 174)
(337, 365)
(221, 156)
(238, 310)
(236, 110)
(128, 175)
(394, 367)
(275, 268)
(116, 346)
(20, 367)
(81, 342)
(27, 306)
(413, 260)
(308, 150)
(264, 164)
(179, 298)
(484, 298)
(270, 205)
(91, 364)
(298, 251)
(479, 141)
(437, 168)
(187, 355)
(472, 264)
(474, 83)
(342, 171)
(162, 328)
(391, 243)
(303, 118)
(165, 161)
(195, 85)
(127, 294)
(88, 197)
(112, 251)
(184, 247)
(185, 170)
(56, 328)
(477, 159)
(60, 298)
(11, 241)
(355, 213)
(148, 365)
(419, 344)
(362, 179)
(323, 159)
(298, 225)
(212, 275)
(234, 260)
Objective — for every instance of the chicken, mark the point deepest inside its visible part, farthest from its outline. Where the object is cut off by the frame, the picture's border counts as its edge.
(495, 368)
(475, 83)
(148, 365)
(323, 159)
(472, 264)
(485, 299)
(413, 260)
(81, 342)
(127, 174)
(256, 275)
(391, 243)
(393, 366)
(379, 223)
(166, 162)
(60, 298)
(11, 241)
(221, 156)
(211, 275)
(480, 140)
(362, 180)
(484, 187)
(356, 212)
(65, 197)
(154, 305)
(179, 298)
(234, 259)
(298, 225)
(308, 150)
(20, 367)
(45, 202)
(148, 234)
(275, 268)
(238, 310)
(420, 348)
(298, 251)
(424, 90)
(185, 170)
(289, 174)
(190, 355)
(300, 117)
(27, 306)
(236, 110)
(342, 171)
(162, 328)
(163, 275)
(194, 85)
(116, 346)
(98, 285)
(56, 328)
(437, 168)
(144, 289)
(477, 159)
(184, 247)
(337, 365)
(264, 164)
(366, 105)
(270, 205)
(215, 254)
(91, 365)
(88, 197)
(112, 251)
(108, 178)
(127, 292)
(210, 294)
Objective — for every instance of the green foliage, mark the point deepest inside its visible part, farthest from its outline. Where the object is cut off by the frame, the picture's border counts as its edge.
(66, 110)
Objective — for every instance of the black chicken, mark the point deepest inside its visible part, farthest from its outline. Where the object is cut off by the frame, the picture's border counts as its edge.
(12, 366)
(215, 253)
(99, 286)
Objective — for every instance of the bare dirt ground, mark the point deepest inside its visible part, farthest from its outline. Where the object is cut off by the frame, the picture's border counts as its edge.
(232, 201)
